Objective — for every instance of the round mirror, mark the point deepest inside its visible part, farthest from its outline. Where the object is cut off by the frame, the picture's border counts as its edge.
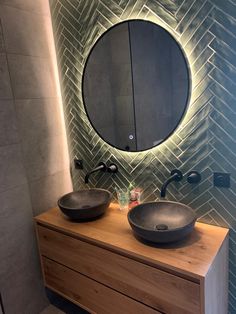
(136, 85)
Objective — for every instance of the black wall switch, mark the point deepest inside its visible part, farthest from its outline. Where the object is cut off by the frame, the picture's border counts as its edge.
(221, 179)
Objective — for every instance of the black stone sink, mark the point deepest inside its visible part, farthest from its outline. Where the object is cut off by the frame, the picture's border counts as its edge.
(85, 204)
(162, 222)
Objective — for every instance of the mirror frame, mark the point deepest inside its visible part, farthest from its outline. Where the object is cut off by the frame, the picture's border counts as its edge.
(189, 86)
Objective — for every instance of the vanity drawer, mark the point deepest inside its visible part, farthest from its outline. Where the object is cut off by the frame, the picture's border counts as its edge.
(156, 288)
(88, 293)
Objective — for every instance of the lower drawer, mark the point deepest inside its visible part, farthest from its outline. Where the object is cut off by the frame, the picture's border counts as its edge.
(157, 289)
(88, 293)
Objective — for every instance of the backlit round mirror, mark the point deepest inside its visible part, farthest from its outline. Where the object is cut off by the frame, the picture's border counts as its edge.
(136, 85)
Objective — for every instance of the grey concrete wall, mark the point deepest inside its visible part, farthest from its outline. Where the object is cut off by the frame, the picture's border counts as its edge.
(34, 167)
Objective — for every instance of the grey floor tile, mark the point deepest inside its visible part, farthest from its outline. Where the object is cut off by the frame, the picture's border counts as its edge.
(51, 309)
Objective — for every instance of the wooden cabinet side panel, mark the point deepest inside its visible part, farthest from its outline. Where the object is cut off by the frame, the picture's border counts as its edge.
(214, 288)
(155, 288)
(89, 293)
(39, 251)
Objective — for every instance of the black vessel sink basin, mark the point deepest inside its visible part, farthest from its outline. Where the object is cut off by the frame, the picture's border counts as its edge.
(85, 204)
(162, 222)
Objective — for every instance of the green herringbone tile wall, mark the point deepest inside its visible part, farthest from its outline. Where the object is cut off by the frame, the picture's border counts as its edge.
(205, 140)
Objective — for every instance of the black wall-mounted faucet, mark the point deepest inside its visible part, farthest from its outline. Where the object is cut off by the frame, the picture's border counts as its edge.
(176, 176)
(100, 167)
(112, 168)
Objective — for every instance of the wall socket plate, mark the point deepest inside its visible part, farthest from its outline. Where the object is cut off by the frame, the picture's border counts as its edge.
(221, 179)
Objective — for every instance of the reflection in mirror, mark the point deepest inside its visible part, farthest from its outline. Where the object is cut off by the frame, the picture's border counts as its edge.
(136, 85)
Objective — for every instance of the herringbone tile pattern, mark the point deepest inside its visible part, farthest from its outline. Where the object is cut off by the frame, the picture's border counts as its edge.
(205, 140)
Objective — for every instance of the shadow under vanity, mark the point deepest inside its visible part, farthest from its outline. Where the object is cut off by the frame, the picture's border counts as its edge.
(136, 89)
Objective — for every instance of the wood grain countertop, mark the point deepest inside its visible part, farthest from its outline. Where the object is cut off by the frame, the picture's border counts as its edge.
(190, 258)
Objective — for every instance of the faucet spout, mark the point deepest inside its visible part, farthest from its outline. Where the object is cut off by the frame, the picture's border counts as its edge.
(176, 176)
(101, 167)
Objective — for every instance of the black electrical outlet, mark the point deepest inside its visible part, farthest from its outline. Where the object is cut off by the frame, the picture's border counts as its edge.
(78, 164)
(221, 180)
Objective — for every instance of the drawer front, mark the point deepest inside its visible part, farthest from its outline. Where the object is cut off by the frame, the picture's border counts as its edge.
(155, 288)
(88, 293)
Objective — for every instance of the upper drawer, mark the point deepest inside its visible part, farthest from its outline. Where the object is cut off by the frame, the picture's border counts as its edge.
(156, 288)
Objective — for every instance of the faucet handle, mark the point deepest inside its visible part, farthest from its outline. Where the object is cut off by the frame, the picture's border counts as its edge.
(112, 168)
(178, 175)
(194, 177)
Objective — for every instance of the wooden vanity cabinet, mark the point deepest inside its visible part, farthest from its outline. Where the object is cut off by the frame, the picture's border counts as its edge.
(103, 268)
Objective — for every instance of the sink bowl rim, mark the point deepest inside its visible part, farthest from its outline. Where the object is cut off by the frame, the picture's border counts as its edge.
(162, 231)
(81, 190)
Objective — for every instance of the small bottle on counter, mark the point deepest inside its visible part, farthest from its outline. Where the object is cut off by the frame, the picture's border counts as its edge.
(135, 197)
